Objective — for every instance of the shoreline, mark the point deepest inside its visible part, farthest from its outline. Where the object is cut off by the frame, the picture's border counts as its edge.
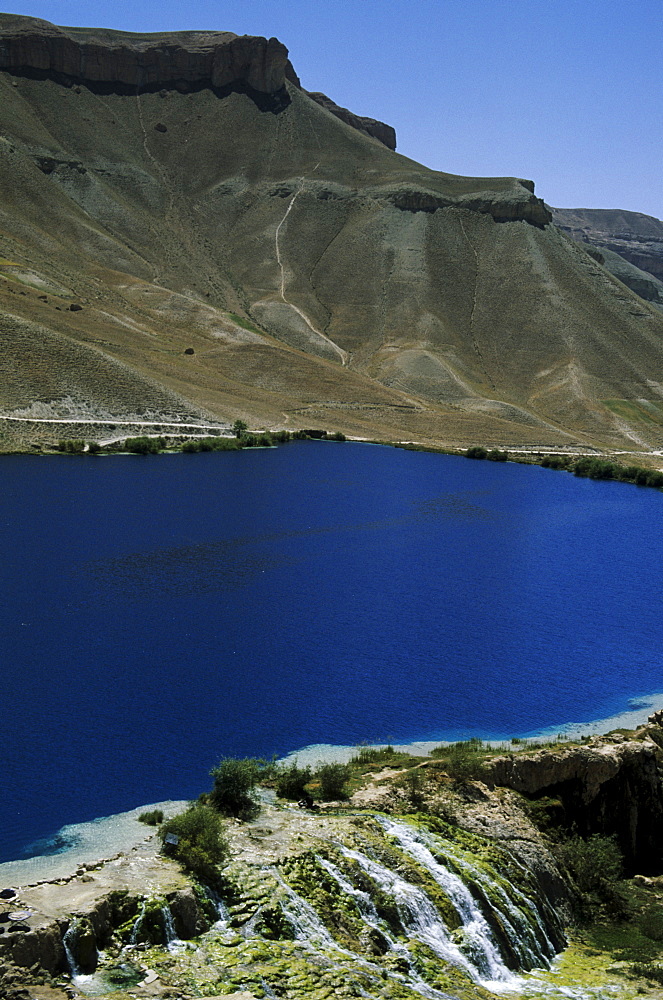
(638, 712)
(108, 837)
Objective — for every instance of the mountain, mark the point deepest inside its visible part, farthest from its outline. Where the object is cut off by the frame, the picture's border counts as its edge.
(630, 244)
(186, 232)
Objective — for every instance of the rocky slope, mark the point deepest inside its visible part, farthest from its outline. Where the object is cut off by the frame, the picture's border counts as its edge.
(181, 193)
(458, 898)
(636, 237)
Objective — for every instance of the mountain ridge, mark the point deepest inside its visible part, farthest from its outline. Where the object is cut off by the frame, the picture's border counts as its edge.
(313, 276)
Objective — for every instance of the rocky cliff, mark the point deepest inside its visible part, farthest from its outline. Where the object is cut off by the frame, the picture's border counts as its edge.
(369, 126)
(211, 58)
(613, 785)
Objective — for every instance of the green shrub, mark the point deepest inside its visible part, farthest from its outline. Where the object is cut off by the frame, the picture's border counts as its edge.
(556, 461)
(240, 428)
(337, 436)
(647, 970)
(596, 866)
(464, 761)
(144, 445)
(203, 846)
(371, 755)
(291, 781)
(152, 817)
(497, 456)
(71, 447)
(94, 447)
(476, 452)
(235, 780)
(332, 779)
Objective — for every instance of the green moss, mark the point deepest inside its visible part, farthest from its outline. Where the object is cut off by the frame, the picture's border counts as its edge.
(443, 976)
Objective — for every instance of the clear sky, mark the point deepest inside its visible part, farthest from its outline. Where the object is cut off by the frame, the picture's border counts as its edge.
(568, 93)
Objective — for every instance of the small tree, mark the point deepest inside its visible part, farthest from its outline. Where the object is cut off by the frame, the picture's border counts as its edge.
(202, 846)
(332, 778)
(240, 428)
(291, 781)
(234, 782)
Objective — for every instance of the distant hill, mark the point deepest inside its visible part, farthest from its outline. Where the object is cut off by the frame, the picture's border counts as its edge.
(636, 237)
(189, 196)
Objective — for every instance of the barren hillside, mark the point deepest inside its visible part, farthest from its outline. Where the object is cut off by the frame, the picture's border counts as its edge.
(189, 196)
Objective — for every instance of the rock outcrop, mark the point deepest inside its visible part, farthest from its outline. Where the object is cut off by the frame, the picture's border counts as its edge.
(369, 126)
(213, 58)
(612, 786)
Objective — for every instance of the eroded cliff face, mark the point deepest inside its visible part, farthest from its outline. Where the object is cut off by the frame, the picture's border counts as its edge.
(612, 786)
(214, 58)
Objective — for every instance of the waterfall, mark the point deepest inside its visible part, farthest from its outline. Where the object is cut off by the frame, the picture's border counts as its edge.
(133, 937)
(532, 948)
(302, 917)
(527, 934)
(421, 921)
(67, 941)
(222, 910)
(173, 943)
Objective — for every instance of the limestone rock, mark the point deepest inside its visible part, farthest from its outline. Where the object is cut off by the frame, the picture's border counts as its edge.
(187, 917)
(607, 787)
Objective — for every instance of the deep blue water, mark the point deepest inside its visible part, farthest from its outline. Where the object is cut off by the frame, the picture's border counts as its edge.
(158, 613)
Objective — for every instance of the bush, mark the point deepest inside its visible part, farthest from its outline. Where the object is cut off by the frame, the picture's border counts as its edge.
(476, 452)
(596, 866)
(94, 447)
(153, 817)
(240, 428)
(203, 847)
(332, 779)
(291, 781)
(497, 456)
(71, 447)
(372, 755)
(144, 445)
(234, 782)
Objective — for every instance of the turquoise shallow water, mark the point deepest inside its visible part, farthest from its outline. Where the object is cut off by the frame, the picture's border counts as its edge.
(157, 613)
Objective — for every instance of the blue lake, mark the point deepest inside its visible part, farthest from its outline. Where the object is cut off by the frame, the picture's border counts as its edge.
(157, 613)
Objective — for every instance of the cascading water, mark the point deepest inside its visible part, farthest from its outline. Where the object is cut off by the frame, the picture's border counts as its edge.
(527, 938)
(422, 922)
(135, 930)
(173, 943)
(303, 919)
(67, 942)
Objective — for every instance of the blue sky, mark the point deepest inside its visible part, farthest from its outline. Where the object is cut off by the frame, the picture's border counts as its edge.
(568, 93)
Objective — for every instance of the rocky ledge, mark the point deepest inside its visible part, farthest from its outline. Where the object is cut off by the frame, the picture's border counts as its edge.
(611, 785)
(96, 55)
(369, 126)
